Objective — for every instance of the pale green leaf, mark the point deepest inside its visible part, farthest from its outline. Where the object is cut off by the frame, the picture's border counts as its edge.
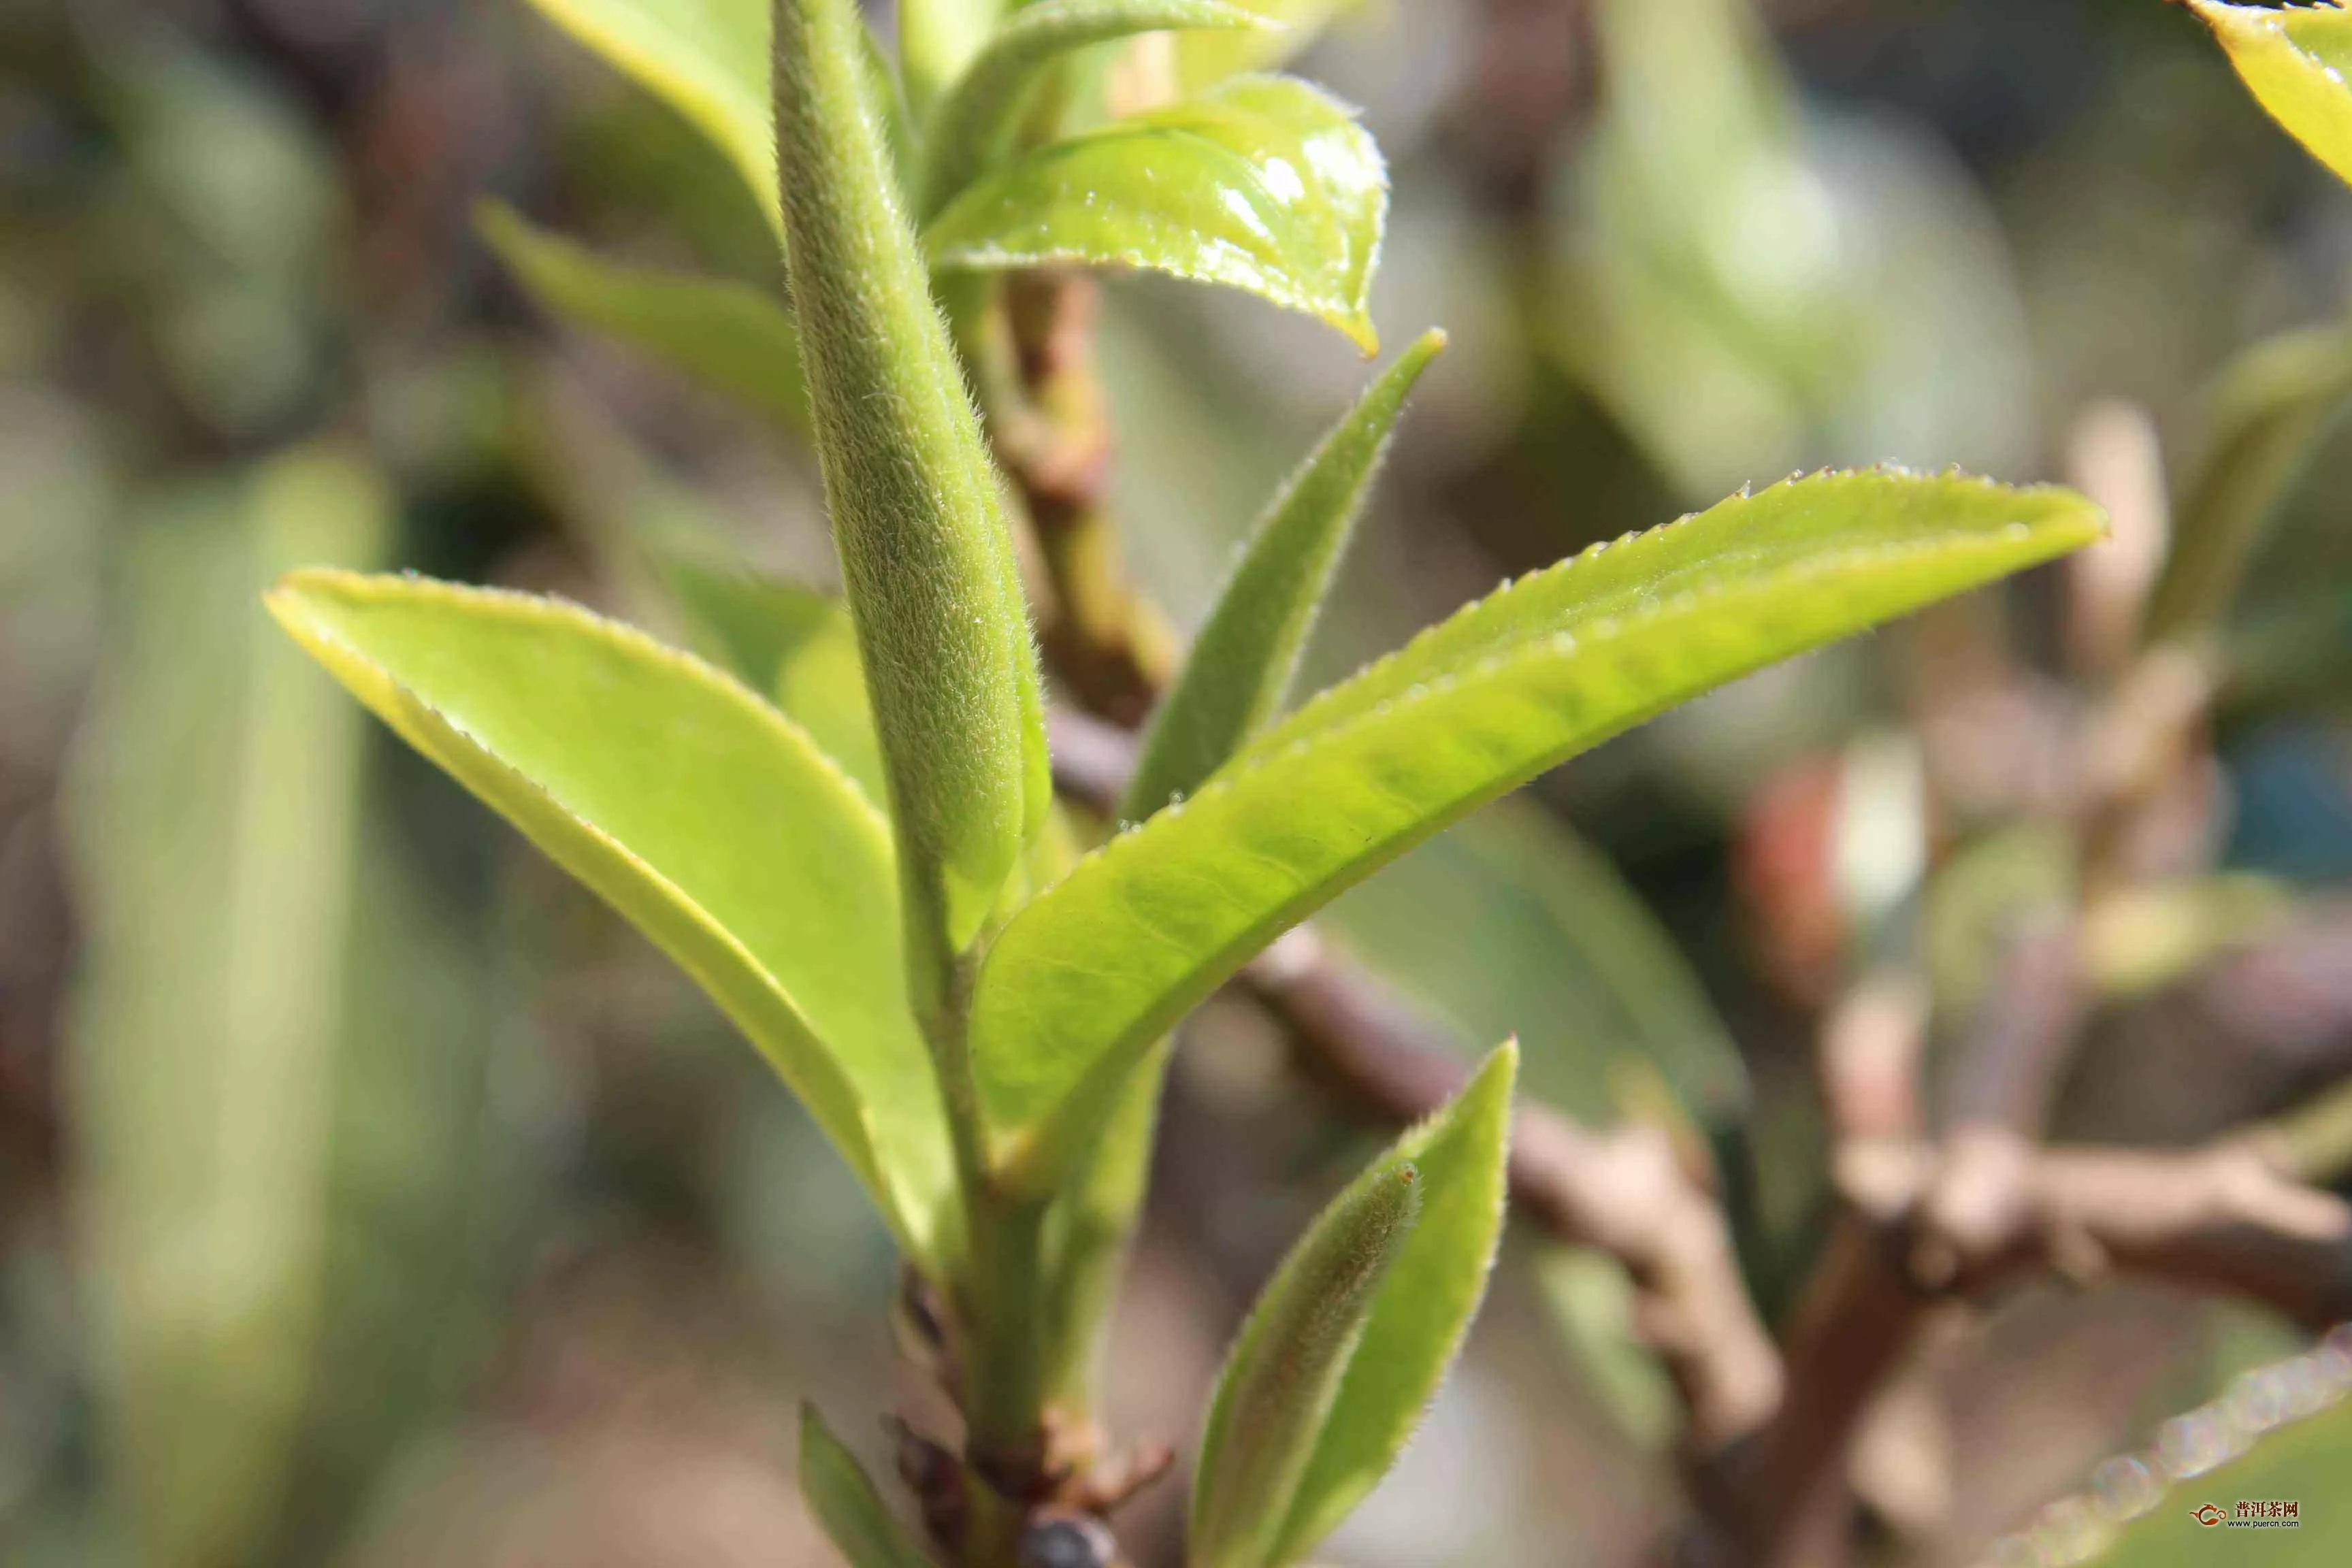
(1078, 985)
(1280, 1380)
(2143, 1518)
(936, 41)
(1264, 183)
(213, 814)
(1421, 1309)
(856, 1520)
(924, 549)
(2273, 405)
(706, 58)
(1242, 663)
(710, 820)
(1511, 921)
(795, 646)
(729, 335)
(1204, 60)
(974, 124)
(2293, 60)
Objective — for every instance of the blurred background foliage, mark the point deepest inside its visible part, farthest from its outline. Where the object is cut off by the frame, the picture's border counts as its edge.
(369, 1195)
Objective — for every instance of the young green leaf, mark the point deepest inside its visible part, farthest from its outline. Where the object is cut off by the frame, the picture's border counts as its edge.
(856, 1520)
(215, 827)
(706, 58)
(729, 335)
(1241, 665)
(974, 121)
(793, 645)
(2293, 60)
(936, 41)
(924, 545)
(710, 821)
(1263, 183)
(1282, 1377)
(2268, 413)
(1422, 1309)
(1088, 974)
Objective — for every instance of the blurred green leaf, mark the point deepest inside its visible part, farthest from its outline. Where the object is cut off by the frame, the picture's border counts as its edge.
(1510, 918)
(1420, 1309)
(2304, 1462)
(706, 58)
(715, 825)
(926, 551)
(1204, 60)
(1263, 183)
(729, 335)
(1280, 1380)
(214, 826)
(1086, 977)
(792, 644)
(2273, 403)
(936, 41)
(845, 1503)
(974, 124)
(2294, 58)
(1591, 1300)
(1242, 663)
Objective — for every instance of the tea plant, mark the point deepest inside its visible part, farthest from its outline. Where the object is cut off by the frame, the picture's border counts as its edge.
(882, 890)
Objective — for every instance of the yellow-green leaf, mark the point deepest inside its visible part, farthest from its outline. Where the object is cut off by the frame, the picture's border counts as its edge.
(728, 335)
(1263, 183)
(856, 1520)
(1281, 1379)
(1240, 668)
(974, 124)
(1421, 1309)
(706, 58)
(2293, 60)
(1088, 974)
(697, 811)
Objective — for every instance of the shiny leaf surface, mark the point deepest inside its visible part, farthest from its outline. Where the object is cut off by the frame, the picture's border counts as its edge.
(710, 821)
(2293, 60)
(1081, 983)
(973, 122)
(1263, 183)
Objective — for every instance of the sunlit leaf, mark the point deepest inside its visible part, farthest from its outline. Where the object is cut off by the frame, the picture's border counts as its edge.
(2294, 58)
(795, 646)
(710, 821)
(215, 824)
(926, 552)
(972, 124)
(1081, 983)
(2269, 412)
(1240, 669)
(1263, 183)
(729, 335)
(1282, 1375)
(1421, 1309)
(706, 58)
(854, 1515)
